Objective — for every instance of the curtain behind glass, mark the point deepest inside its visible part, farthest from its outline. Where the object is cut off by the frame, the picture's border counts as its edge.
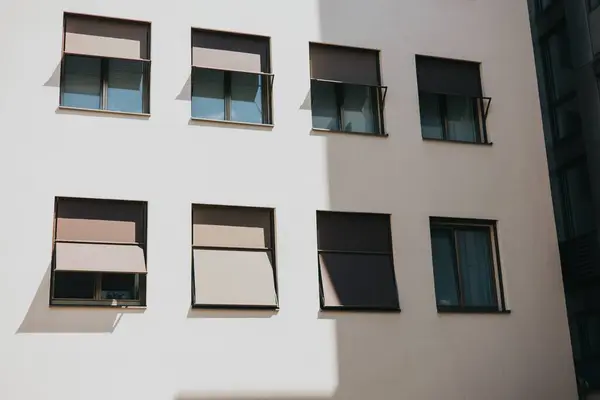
(357, 110)
(125, 86)
(431, 116)
(246, 97)
(444, 267)
(324, 106)
(208, 94)
(475, 263)
(81, 86)
(461, 119)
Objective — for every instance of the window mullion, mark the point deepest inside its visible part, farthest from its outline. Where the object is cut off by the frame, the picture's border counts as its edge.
(98, 286)
(339, 99)
(227, 82)
(104, 83)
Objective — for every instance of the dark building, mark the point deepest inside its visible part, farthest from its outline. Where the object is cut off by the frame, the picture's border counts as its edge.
(566, 35)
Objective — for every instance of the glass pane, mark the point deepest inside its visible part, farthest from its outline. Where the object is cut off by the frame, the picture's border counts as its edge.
(462, 125)
(74, 285)
(431, 116)
(358, 111)
(324, 106)
(208, 94)
(559, 65)
(118, 286)
(581, 207)
(81, 86)
(475, 263)
(246, 97)
(568, 120)
(125, 86)
(444, 267)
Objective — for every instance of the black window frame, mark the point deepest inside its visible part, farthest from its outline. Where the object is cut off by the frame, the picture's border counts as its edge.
(480, 104)
(269, 250)
(389, 253)
(378, 95)
(465, 224)
(267, 81)
(479, 108)
(140, 279)
(104, 61)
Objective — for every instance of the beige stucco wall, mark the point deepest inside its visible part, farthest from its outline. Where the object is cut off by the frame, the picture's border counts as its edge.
(170, 352)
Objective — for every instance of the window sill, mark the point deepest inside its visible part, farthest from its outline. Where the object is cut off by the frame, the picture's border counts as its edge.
(361, 309)
(195, 120)
(234, 307)
(470, 310)
(132, 305)
(378, 135)
(77, 110)
(457, 141)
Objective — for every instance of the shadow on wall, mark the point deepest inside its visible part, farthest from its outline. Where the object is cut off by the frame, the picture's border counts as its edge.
(54, 80)
(41, 318)
(186, 91)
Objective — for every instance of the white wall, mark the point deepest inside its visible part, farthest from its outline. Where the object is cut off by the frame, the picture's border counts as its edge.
(170, 352)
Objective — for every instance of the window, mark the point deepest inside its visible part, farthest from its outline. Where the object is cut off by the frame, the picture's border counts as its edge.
(356, 263)
(346, 92)
(106, 64)
(99, 252)
(231, 79)
(466, 267)
(558, 63)
(574, 194)
(562, 96)
(233, 251)
(451, 104)
(593, 4)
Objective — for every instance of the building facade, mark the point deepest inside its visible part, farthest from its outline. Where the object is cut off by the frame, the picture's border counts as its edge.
(276, 200)
(567, 43)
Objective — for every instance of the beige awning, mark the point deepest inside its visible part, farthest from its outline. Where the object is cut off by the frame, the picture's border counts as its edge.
(83, 257)
(101, 221)
(225, 277)
(106, 37)
(231, 227)
(228, 51)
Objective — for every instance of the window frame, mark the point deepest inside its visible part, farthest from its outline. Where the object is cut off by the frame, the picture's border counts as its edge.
(466, 224)
(378, 101)
(146, 66)
(555, 102)
(267, 81)
(479, 109)
(267, 250)
(389, 254)
(266, 96)
(565, 195)
(97, 301)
